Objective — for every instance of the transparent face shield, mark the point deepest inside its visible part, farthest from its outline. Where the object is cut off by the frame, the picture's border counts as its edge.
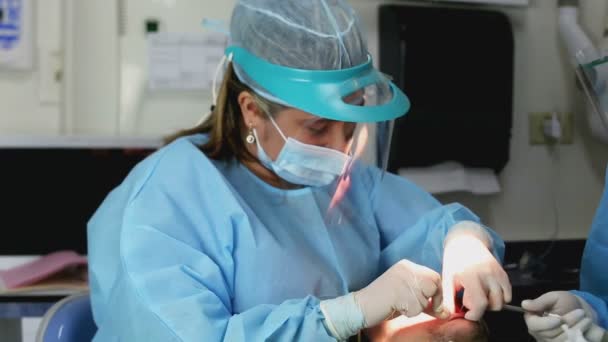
(330, 94)
(369, 150)
(360, 101)
(592, 72)
(356, 153)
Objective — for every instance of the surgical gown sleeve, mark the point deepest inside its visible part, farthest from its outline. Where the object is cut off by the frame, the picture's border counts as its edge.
(176, 278)
(413, 224)
(598, 304)
(594, 278)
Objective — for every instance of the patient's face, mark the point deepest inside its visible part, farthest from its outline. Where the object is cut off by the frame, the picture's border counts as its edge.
(456, 329)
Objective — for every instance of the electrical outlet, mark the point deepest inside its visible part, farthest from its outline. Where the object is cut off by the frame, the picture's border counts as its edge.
(536, 128)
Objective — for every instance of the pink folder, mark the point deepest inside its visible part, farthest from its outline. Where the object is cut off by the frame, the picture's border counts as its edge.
(62, 267)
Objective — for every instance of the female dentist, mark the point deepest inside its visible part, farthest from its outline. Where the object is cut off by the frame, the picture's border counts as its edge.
(265, 222)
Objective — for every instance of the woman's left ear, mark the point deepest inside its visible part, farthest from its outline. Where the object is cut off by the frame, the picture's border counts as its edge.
(249, 109)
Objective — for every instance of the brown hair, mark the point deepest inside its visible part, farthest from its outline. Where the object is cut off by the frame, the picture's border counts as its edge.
(224, 126)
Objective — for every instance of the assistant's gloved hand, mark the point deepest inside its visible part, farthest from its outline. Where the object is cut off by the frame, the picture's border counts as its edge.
(574, 312)
(406, 287)
(468, 264)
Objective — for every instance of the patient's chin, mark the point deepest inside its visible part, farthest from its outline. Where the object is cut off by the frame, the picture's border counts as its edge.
(455, 329)
(461, 330)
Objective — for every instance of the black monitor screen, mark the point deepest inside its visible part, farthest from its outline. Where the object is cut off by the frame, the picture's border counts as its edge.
(48, 194)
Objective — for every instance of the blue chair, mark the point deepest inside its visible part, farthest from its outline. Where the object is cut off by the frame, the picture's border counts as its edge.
(69, 320)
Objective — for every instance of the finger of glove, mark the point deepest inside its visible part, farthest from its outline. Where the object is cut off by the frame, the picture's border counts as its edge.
(553, 325)
(573, 317)
(439, 310)
(583, 325)
(505, 285)
(411, 295)
(541, 304)
(538, 324)
(495, 295)
(594, 333)
(410, 306)
(475, 299)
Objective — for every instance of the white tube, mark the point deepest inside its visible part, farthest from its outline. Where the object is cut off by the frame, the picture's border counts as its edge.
(582, 51)
(596, 125)
(572, 34)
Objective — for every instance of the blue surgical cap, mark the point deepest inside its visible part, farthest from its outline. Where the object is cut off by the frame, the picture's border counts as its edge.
(311, 55)
(303, 34)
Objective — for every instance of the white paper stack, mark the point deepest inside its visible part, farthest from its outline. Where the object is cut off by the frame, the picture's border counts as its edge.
(451, 177)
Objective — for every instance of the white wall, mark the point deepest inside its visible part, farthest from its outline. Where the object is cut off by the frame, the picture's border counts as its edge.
(91, 67)
(165, 111)
(543, 82)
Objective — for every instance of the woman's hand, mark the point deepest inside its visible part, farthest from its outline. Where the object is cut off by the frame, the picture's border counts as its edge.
(468, 264)
(407, 288)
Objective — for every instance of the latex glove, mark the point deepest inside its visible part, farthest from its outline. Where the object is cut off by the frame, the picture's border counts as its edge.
(406, 288)
(468, 264)
(574, 312)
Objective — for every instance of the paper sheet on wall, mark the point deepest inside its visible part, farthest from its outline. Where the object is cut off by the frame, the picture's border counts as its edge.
(452, 176)
(183, 60)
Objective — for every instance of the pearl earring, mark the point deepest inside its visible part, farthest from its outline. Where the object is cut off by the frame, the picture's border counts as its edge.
(250, 137)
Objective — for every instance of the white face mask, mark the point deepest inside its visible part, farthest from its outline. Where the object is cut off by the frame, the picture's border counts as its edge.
(304, 164)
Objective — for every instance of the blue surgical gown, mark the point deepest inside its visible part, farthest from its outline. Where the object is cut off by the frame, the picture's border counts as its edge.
(191, 249)
(594, 273)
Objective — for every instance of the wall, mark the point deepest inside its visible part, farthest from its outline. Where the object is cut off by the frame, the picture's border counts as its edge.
(91, 67)
(85, 34)
(573, 174)
(163, 111)
(543, 82)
